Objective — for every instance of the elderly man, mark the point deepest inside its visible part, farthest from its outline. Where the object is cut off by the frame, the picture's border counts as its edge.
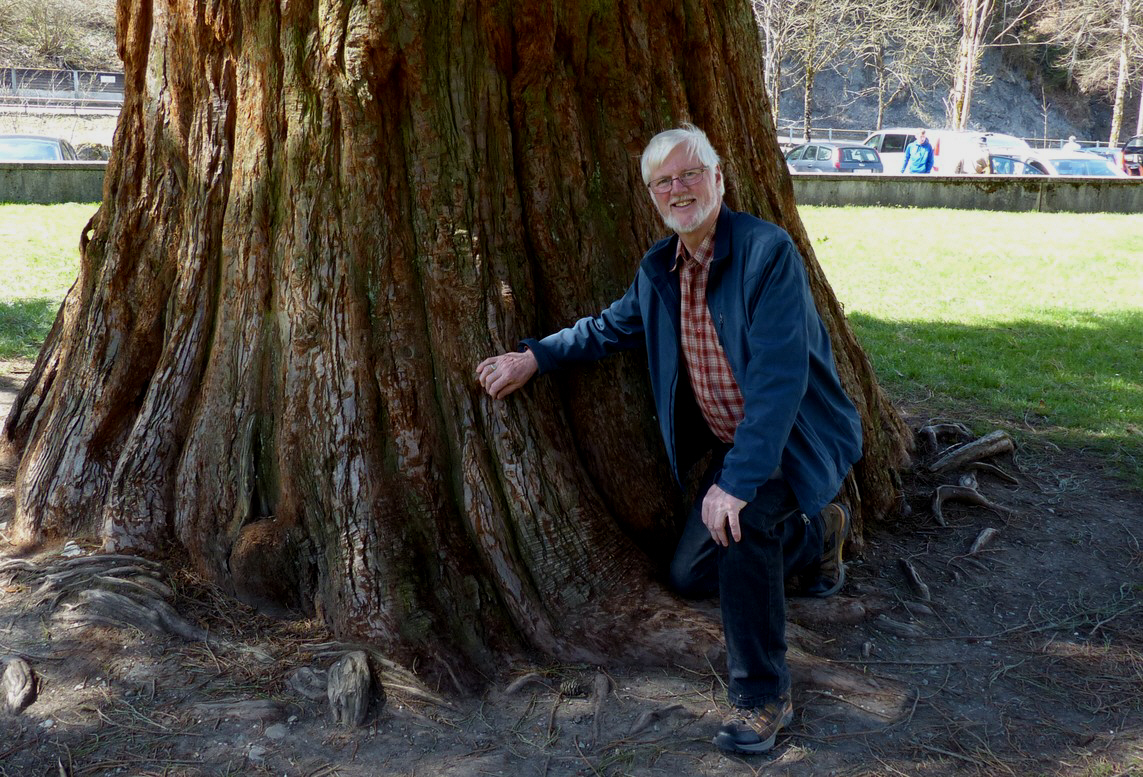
(740, 363)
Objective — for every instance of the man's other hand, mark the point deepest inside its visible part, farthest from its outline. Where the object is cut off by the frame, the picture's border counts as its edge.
(503, 374)
(719, 509)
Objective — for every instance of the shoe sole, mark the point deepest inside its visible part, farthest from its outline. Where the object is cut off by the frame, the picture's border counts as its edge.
(727, 744)
(837, 586)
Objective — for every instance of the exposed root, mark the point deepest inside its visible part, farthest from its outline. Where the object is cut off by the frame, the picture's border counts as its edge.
(393, 676)
(647, 717)
(600, 688)
(992, 469)
(961, 494)
(992, 444)
(932, 433)
(916, 582)
(986, 536)
(19, 683)
(350, 689)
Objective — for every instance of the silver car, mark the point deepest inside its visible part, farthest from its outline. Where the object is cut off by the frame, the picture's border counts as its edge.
(35, 148)
(833, 158)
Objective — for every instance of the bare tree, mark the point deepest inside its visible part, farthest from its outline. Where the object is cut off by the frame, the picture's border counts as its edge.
(978, 31)
(905, 45)
(1104, 49)
(774, 19)
(821, 38)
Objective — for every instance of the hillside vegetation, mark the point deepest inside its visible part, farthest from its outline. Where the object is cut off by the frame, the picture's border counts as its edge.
(65, 34)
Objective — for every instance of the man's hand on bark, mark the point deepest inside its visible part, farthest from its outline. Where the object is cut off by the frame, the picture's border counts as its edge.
(503, 374)
(719, 509)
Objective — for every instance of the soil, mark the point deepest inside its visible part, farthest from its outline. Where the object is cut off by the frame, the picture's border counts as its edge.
(1025, 659)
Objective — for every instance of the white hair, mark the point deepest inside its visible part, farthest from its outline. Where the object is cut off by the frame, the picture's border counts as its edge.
(661, 146)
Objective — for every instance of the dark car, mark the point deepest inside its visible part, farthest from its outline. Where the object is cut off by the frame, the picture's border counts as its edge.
(1003, 164)
(1133, 156)
(833, 158)
(35, 148)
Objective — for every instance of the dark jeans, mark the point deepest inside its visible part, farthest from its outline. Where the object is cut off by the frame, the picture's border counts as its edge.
(749, 576)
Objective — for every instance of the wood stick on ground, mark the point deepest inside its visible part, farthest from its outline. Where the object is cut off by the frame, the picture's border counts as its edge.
(600, 688)
(350, 688)
(986, 536)
(916, 582)
(992, 444)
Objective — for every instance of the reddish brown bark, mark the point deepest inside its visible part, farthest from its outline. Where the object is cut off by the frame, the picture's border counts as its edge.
(316, 220)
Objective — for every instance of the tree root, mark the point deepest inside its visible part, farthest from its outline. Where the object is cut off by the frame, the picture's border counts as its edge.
(932, 433)
(350, 689)
(916, 582)
(19, 683)
(992, 444)
(391, 675)
(968, 494)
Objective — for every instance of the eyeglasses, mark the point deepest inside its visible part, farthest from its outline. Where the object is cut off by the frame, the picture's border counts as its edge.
(687, 178)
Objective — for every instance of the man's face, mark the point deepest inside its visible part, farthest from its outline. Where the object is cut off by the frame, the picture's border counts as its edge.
(687, 209)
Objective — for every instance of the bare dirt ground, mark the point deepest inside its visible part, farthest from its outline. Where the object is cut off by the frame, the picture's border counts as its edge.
(1026, 659)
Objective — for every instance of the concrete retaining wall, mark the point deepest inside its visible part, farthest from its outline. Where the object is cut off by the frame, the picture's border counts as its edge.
(1039, 193)
(44, 183)
(47, 182)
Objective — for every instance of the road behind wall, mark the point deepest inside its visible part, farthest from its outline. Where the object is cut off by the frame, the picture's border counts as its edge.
(76, 129)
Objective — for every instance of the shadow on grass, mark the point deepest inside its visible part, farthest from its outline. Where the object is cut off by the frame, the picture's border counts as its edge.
(1079, 376)
(24, 323)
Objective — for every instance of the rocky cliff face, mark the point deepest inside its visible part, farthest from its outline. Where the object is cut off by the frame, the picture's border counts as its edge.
(1008, 103)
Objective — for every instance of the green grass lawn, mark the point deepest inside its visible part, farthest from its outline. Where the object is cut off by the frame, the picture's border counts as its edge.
(38, 264)
(1029, 319)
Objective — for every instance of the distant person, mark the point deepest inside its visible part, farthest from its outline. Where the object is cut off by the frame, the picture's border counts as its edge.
(918, 155)
(980, 159)
(1071, 145)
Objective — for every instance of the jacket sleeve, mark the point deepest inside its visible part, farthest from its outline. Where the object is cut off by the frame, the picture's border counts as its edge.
(617, 328)
(905, 160)
(777, 373)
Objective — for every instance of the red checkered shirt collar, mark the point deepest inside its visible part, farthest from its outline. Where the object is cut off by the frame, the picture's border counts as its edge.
(715, 389)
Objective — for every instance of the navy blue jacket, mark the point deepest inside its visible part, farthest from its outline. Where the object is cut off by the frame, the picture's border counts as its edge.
(798, 417)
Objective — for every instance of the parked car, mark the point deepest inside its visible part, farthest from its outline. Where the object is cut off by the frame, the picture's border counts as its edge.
(1113, 155)
(890, 145)
(1060, 162)
(1006, 164)
(833, 158)
(1133, 156)
(34, 148)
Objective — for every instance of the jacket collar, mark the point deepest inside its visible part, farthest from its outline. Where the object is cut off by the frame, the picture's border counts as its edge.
(661, 257)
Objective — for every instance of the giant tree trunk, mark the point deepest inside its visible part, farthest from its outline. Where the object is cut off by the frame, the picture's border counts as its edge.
(317, 218)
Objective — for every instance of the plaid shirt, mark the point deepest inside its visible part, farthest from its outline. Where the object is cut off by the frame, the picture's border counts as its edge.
(715, 388)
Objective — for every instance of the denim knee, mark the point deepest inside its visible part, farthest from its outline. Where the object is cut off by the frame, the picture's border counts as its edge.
(691, 583)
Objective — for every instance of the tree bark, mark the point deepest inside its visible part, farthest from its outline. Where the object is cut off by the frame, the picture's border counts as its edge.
(317, 218)
(1119, 100)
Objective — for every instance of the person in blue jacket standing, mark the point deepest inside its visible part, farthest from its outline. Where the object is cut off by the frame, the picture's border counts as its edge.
(918, 155)
(740, 364)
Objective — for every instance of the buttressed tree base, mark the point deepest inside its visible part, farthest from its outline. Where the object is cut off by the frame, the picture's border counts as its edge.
(317, 219)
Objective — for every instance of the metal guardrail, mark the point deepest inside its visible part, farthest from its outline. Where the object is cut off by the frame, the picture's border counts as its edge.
(55, 91)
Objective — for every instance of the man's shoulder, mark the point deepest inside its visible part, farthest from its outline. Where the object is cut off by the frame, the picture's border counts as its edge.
(746, 225)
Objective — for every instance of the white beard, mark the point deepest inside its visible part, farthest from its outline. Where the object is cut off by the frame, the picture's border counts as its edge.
(701, 214)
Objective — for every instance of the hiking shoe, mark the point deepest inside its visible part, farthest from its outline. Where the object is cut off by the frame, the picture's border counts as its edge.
(831, 569)
(753, 730)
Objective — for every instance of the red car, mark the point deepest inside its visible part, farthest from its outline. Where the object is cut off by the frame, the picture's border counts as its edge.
(1133, 156)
